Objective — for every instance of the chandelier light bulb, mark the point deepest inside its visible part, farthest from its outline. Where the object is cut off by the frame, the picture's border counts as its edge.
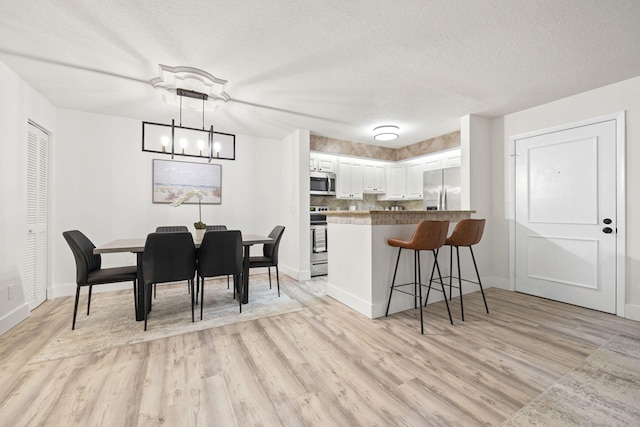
(165, 142)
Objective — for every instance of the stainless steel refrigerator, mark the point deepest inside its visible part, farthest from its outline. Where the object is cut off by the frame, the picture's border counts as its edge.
(441, 189)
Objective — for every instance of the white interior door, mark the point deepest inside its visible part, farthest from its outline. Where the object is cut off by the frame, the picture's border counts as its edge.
(37, 216)
(566, 216)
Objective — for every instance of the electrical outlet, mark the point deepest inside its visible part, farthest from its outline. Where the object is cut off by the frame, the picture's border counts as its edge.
(10, 289)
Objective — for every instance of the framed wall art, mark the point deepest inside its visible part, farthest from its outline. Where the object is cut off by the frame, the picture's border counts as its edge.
(172, 179)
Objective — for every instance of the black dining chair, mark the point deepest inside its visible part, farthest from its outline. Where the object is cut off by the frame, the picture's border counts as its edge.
(89, 269)
(220, 254)
(170, 229)
(168, 257)
(269, 256)
(220, 228)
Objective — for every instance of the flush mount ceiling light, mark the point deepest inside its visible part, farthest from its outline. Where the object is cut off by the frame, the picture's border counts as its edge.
(386, 133)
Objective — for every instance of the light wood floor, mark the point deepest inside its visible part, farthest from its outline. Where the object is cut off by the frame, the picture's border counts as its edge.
(325, 365)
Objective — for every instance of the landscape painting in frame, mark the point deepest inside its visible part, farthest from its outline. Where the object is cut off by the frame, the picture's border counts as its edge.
(171, 179)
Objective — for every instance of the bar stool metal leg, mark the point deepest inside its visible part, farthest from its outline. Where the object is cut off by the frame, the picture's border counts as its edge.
(479, 281)
(393, 282)
(444, 292)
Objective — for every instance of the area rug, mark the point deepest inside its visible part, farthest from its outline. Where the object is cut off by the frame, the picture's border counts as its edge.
(603, 391)
(112, 321)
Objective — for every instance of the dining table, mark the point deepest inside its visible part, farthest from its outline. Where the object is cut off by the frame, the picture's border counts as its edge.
(136, 245)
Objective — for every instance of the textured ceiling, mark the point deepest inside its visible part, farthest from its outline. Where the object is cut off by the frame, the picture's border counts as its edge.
(337, 68)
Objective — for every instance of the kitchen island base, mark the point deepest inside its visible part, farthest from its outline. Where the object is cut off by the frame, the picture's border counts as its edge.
(361, 263)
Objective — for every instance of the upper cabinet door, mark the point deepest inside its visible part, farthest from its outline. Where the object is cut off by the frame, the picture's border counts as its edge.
(350, 181)
(414, 181)
(374, 178)
(326, 165)
(320, 163)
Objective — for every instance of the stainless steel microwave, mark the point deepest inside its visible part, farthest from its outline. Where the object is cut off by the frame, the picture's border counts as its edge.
(322, 183)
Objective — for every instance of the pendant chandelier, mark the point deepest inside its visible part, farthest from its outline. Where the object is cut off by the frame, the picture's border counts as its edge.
(179, 140)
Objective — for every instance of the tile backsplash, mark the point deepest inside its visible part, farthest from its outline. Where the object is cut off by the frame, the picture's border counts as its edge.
(370, 202)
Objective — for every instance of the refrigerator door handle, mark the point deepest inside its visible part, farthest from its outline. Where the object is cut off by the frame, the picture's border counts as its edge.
(444, 199)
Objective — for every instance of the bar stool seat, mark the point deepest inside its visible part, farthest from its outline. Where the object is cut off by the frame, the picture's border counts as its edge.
(427, 236)
(468, 232)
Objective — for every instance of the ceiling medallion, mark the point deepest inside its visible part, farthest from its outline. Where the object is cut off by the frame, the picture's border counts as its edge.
(174, 79)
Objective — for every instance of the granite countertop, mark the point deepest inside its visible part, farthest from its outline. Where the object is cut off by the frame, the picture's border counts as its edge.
(386, 212)
(381, 217)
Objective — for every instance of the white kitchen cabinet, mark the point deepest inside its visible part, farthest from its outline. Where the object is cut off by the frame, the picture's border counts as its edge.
(350, 180)
(318, 163)
(404, 182)
(432, 163)
(374, 178)
(414, 181)
(451, 159)
(396, 183)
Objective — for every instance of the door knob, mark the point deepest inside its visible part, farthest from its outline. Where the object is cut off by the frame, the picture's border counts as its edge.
(607, 230)
(607, 221)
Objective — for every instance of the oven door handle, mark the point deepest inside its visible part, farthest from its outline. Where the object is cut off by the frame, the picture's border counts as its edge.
(313, 240)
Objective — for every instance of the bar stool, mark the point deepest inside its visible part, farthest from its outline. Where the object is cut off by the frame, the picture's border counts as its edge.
(468, 232)
(428, 236)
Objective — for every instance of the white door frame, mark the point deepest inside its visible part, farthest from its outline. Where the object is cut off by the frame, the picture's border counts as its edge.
(621, 221)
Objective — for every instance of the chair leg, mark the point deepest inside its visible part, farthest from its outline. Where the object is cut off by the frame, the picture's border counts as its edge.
(419, 281)
(459, 282)
(135, 293)
(155, 290)
(89, 300)
(451, 271)
(433, 270)
(193, 302)
(479, 282)
(227, 281)
(269, 272)
(146, 289)
(201, 291)
(278, 280)
(237, 282)
(75, 308)
(416, 282)
(393, 281)
(444, 293)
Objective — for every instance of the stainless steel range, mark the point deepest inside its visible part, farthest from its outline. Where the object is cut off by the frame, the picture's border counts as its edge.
(319, 249)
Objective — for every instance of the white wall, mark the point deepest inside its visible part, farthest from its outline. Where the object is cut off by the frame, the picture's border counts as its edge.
(19, 103)
(102, 186)
(610, 99)
(294, 193)
(475, 142)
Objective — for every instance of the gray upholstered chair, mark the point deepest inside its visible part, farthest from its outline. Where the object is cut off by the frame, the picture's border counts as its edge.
(220, 254)
(269, 256)
(89, 269)
(168, 257)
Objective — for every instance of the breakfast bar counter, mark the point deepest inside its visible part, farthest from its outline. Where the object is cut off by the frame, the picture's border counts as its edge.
(361, 263)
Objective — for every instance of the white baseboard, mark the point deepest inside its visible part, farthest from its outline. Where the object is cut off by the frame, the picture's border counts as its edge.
(350, 300)
(496, 282)
(632, 312)
(13, 318)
